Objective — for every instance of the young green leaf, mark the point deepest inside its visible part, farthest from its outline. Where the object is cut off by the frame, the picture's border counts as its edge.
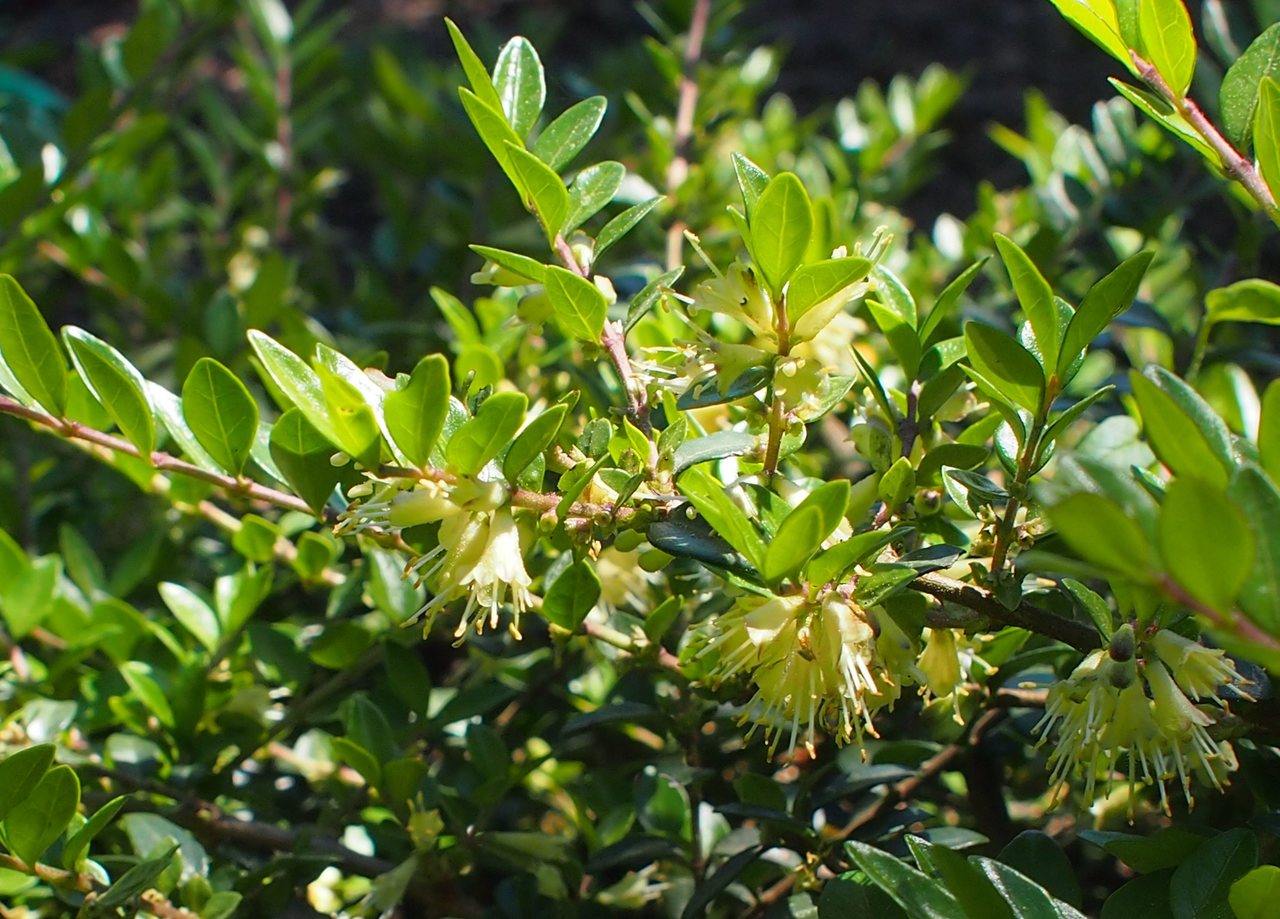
(42, 815)
(476, 73)
(1035, 296)
(781, 223)
(1250, 300)
(302, 455)
(483, 437)
(1266, 135)
(415, 414)
(543, 191)
(1096, 19)
(900, 334)
(565, 137)
(794, 544)
(1006, 365)
(29, 349)
(20, 772)
(1168, 41)
(1105, 300)
(295, 380)
(221, 413)
(1093, 604)
(537, 435)
(521, 84)
(572, 595)
(351, 418)
(812, 284)
(1241, 88)
(1205, 542)
(121, 392)
(752, 181)
(1254, 896)
(947, 300)
(580, 306)
(495, 133)
(920, 895)
(522, 265)
(621, 225)
(1269, 430)
(1164, 115)
(592, 189)
(1184, 445)
(77, 847)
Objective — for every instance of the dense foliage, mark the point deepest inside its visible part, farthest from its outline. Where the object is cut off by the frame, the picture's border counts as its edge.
(420, 512)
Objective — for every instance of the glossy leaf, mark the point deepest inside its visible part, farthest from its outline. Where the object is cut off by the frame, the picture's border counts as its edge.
(29, 349)
(1205, 542)
(712, 447)
(572, 595)
(496, 134)
(1093, 604)
(537, 435)
(1104, 301)
(621, 225)
(947, 300)
(812, 284)
(917, 893)
(43, 814)
(350, 417)
(1027, 898)
(1257, 497)
(477, 74)
(520, 83)
(1096, 19)
(1168, 41)
(121, 393)
(592, 189)
(415, 413)
(752, 181)
(1036, 856)
(296, 380)
(222, 414)
(795, 542)
(580, 307)
(20, 772)
(781, 224)
(975, 894)
(543, 191)
(707, 494)
(1008, 366)
(1100, 532)
(1035, 296)
(830, 564)
(1238, 96)
(1255, 895)
(302, 454)
(1202, 884)
(514, 262)
(484, 436)
(1250, 300)
(565, 137)
(77, 846)
(1178, 439)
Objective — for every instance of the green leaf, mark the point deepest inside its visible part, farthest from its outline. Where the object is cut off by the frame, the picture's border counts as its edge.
(1096, 19)
(302, 454)
(20, 772)
(707, 495)
(543, 191)
(1100, 532)
(1255, 895)
(138, 878)
(621, 225)
(812, 284)
(1035, 855)
(794, 544)
(947, 300)
(712, 447)
(1168, 41)
(43, 814)
(781, 224)
(920, 895)
(29, 349)
(296, 380)
(1177, 438)
(1146, 895)
(719, 881)
(901, 335)
(580, 306)
(484, 436)
(1027, 898)
(77, 847)
(1010, 368)
(1205, 542)
(520, 83)
(537, 435)
(592, 189)
(1202, 884)
(1036, 298)
(476, 73)
(1257, 496)
(1105, 300)
(351, 418)
(415, 414)
(514, 262)
(222, 414)
(1163, 114)
(565, 137)
(829, 565)
(120, 391)
(496, 134)
(1064, 420)
(1166, 848)
(1269, 430)
(192, 612)
(752, 181)
(1251, 300)
(572, 595)
(146, 690)
(975, 894)
(1093, 604)
(26, 601)
(1239, 94)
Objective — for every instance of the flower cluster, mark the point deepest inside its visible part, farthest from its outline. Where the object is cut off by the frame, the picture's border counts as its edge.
(816, 664)
(478, 553)
(1136, 701)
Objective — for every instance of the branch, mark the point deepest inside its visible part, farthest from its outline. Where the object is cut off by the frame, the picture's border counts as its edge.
(1233, 163)
(163, 462)
(686, 109)
(1024, 615)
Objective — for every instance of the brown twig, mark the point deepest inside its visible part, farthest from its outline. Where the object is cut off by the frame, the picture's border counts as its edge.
(686, 109)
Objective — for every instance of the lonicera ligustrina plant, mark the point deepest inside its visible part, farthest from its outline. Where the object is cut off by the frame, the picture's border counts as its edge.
(705, 568)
